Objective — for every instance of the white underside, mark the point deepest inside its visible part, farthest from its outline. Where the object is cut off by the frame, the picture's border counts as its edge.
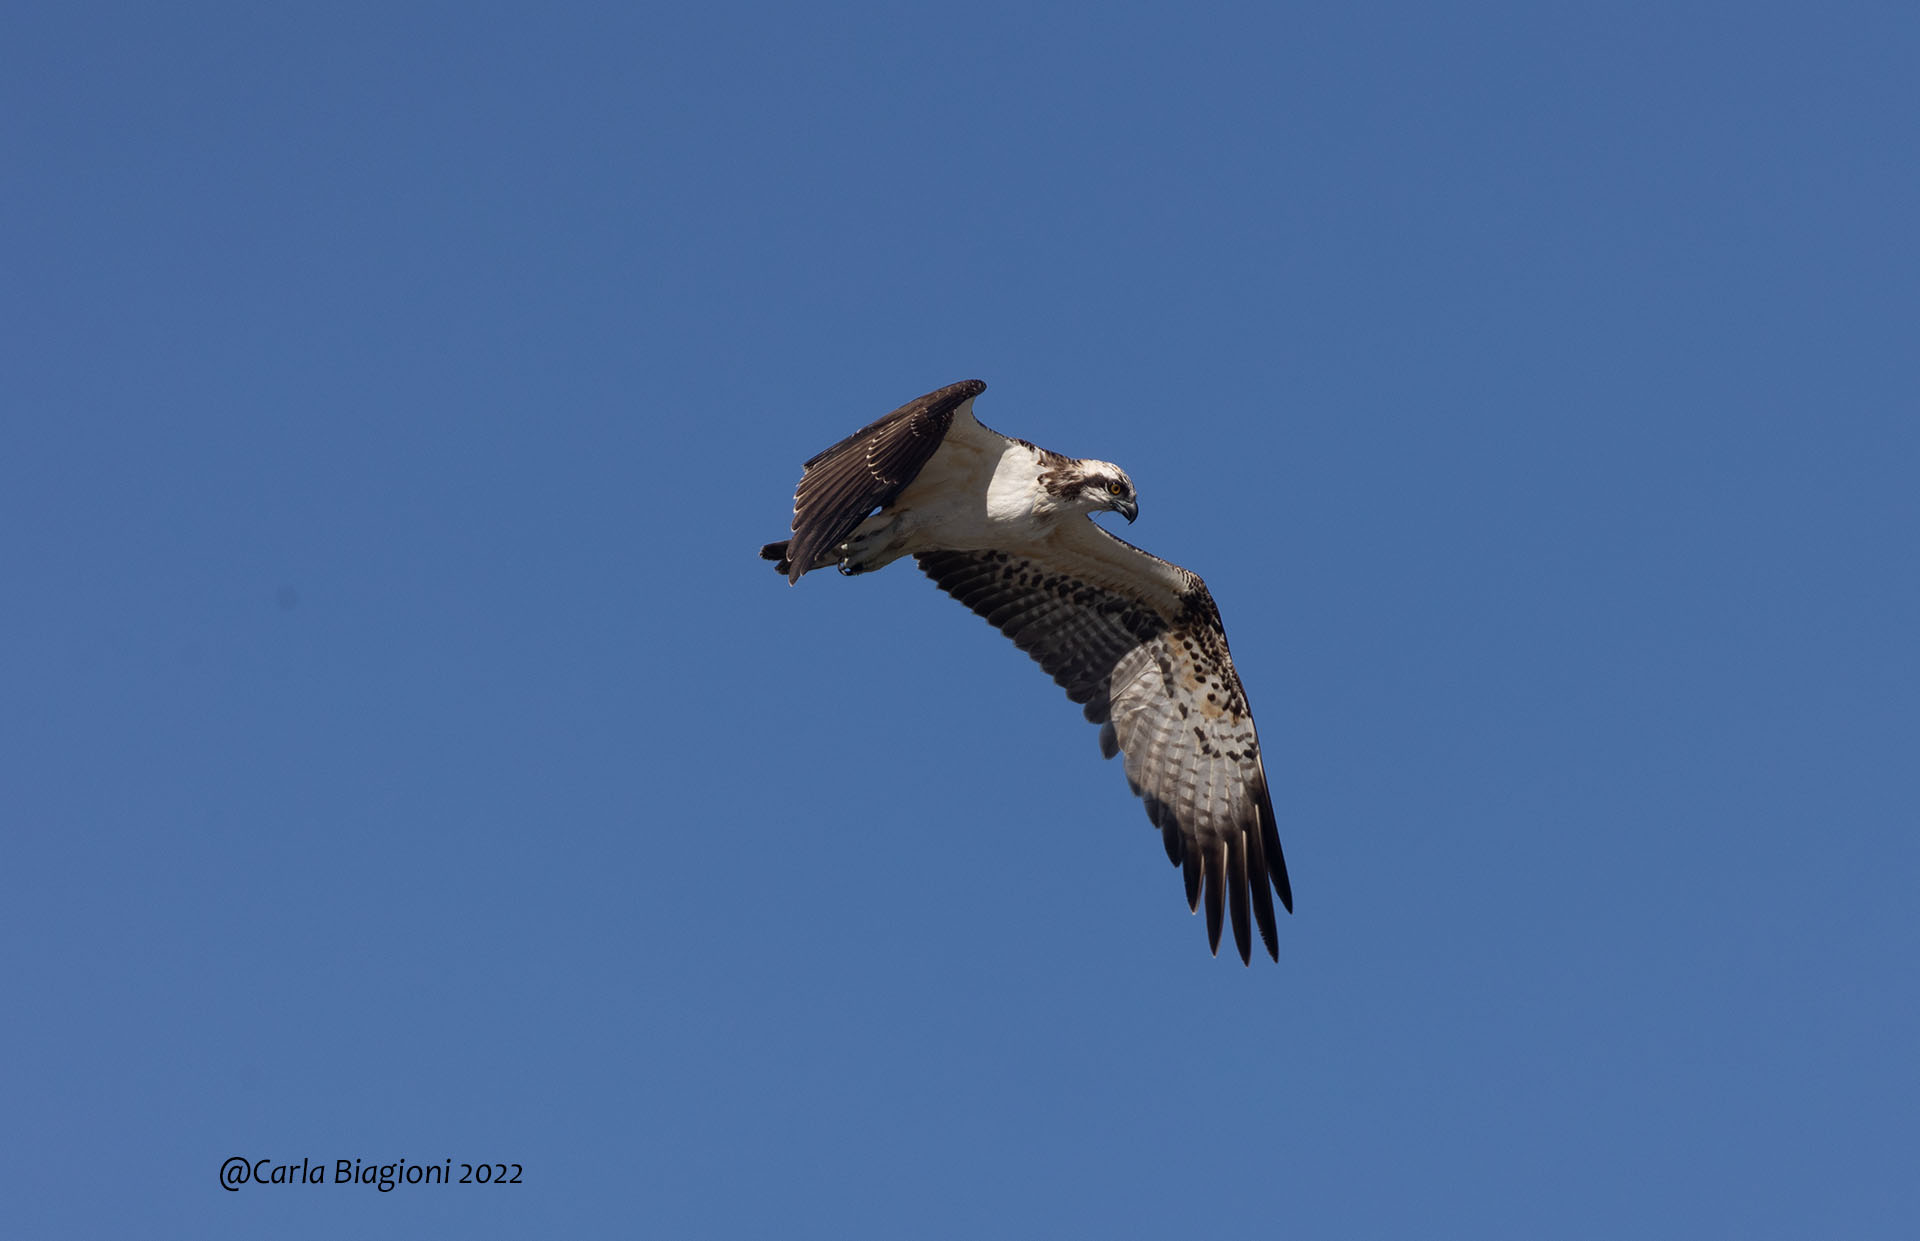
(980, 490)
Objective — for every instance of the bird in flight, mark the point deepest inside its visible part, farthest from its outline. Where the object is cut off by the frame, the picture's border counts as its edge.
(1005, 527)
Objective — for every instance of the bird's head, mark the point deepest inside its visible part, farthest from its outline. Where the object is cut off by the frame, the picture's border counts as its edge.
(1104, 486)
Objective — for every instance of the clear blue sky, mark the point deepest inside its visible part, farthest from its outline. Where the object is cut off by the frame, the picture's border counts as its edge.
(405, 756)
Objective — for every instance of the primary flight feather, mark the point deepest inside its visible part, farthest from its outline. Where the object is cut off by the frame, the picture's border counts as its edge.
(1004, 527)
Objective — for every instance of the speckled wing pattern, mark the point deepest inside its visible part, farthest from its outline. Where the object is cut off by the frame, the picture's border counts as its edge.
(1149, 664)
(840, 487)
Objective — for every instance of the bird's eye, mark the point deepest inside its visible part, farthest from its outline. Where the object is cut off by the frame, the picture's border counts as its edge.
(1114, 488)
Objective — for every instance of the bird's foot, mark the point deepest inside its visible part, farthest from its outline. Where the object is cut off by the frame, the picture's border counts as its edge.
(856, 554)
(870, 549)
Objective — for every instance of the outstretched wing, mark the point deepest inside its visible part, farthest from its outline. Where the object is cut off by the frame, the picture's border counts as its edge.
(865, 471)
(1137, 641)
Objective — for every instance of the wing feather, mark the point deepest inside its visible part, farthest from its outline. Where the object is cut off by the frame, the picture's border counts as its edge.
(842, 485)
(1216, 881)
(1138, 642)
(1262, 895)
(1237, 852)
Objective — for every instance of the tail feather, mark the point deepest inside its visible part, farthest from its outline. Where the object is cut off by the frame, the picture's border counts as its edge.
(779, 553)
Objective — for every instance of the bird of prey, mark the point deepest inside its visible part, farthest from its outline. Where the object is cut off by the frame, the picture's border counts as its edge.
(1004, 527)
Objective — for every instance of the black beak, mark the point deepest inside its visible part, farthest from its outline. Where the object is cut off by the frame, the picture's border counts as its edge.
(1126, 508)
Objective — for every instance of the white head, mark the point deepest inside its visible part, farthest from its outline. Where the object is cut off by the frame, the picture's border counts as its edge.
(1092, 487)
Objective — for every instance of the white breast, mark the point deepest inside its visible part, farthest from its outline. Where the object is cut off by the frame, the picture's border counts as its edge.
(977, 492)
(1015, 486)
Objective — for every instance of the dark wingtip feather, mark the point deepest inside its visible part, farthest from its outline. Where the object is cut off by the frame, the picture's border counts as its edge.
(1237, 898)
(1175, 846)
(1276, 860)
(1262, 894)
(1190, 872)
(1216, 895)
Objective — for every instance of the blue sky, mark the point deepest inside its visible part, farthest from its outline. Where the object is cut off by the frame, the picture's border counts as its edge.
(405, 756)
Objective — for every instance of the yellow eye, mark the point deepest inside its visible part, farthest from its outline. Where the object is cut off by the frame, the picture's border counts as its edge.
(1114, 488)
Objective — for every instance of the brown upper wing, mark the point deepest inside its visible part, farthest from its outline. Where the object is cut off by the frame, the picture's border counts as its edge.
(865, 471)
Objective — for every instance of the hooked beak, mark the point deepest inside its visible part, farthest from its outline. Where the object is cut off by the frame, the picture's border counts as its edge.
(1126, 508)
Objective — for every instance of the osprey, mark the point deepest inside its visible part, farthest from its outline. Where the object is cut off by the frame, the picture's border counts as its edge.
(1004, 527)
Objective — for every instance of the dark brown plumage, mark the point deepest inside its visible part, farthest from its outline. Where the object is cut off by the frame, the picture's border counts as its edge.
(865, 471)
